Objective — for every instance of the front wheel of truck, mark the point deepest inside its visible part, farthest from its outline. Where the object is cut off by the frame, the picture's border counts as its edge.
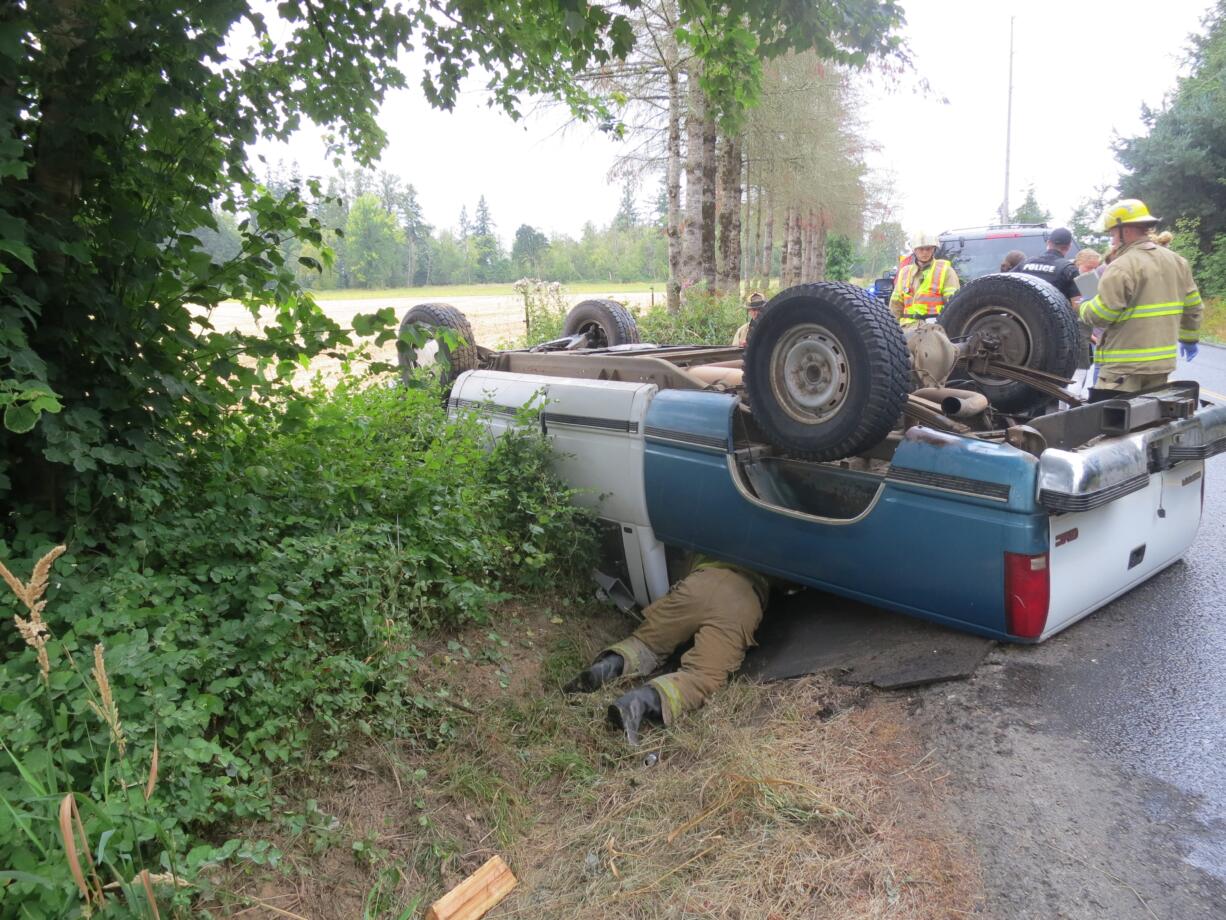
(826, 370)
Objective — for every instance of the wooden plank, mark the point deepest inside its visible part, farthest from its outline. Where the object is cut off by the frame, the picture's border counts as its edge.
(477, 894)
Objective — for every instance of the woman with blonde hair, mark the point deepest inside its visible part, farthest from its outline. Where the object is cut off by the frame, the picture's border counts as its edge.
(1087, 260)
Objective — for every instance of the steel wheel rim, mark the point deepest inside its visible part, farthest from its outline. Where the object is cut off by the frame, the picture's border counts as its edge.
(810, 374)
(595, 335)
(1016, 339)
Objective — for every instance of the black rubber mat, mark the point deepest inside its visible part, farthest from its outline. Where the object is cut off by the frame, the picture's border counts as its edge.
(810, 632)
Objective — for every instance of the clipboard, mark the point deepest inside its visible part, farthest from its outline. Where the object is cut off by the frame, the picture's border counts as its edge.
(1087, 284)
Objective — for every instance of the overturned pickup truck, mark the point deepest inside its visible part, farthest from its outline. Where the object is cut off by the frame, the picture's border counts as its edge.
(930, 473)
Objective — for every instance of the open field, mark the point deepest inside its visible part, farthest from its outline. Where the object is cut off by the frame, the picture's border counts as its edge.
(445, 291)
(497, 318)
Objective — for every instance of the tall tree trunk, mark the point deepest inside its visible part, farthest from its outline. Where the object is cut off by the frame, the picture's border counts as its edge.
(691, 232)
(819, 247)
(806, 248)
(768, 242)
(673, 228)
(709, 170)
(794, 249)
(730, 214)
(785, 254)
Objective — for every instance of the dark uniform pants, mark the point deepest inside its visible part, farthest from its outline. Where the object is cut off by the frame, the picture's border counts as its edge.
(716, 607)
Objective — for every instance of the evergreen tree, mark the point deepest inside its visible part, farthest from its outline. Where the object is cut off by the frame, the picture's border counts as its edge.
(1084, 223)
(1176, 168)
(483, 224)
(839, 257)
(465, 224)
(627, 211)
(1029, 211)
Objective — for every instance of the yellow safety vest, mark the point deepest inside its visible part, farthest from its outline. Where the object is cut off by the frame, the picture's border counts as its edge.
(924, 292)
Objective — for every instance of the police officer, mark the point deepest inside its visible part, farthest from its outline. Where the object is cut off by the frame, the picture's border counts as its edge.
(1147, 303)
(1054, 266)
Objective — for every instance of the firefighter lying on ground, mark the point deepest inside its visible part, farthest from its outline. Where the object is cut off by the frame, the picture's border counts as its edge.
(719, 606)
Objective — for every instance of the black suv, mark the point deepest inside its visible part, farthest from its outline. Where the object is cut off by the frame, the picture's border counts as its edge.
(976, 251)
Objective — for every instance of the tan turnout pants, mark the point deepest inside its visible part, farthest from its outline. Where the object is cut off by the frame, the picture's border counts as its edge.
(718, 609)
(1128, 383)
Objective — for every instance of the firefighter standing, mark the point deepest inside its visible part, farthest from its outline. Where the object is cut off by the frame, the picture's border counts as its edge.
(719, 605)
(1147, 302)
(924, 283)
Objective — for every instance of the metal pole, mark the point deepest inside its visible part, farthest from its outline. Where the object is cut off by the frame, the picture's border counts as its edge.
(1004, 207)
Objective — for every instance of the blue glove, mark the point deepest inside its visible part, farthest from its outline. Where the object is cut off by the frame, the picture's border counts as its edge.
(1188, 350)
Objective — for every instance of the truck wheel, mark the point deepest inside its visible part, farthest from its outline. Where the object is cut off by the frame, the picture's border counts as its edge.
(448, 362)
(826, 370)
(606, 322)
(1035, 325)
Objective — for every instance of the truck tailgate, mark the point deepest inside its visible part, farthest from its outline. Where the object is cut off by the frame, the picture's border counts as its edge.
(1099, 554)
(1123, 509)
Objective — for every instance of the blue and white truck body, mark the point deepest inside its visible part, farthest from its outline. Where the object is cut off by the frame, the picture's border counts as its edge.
(975, 534)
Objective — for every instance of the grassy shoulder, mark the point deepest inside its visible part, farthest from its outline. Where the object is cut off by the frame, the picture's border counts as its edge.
(442, 292)
(1213, 326)
(798, 799)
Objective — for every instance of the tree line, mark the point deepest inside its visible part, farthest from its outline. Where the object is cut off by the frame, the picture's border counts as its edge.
(384, 239)
(742, 198)
(745, 198)
(1177, 166)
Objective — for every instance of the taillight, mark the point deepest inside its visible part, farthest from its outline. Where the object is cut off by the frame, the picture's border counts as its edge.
(1027, 594)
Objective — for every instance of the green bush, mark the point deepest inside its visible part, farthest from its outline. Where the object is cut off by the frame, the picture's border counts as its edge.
(1208, 267)
(254, 619)
(702, 320)
(545, 309)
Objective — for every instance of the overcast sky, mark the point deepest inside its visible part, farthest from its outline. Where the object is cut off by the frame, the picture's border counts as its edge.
(1081, 73)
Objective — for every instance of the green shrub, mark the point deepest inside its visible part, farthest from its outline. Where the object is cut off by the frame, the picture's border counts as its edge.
(702, 320)
(255, 618)
(545, 309)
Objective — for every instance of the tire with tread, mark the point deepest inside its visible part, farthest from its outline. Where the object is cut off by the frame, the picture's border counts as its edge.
(605, 321)
(439, 316)
(1039, 331)
(826, 370)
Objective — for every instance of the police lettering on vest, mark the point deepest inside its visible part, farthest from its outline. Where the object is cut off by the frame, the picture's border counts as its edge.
(1054, 269)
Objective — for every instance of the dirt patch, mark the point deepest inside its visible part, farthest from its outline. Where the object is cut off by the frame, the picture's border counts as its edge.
(797, 799)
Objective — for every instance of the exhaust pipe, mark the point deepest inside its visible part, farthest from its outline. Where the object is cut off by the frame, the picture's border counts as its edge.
(955, 403)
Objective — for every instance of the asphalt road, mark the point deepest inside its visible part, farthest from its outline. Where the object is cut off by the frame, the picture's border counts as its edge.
(1090, 771)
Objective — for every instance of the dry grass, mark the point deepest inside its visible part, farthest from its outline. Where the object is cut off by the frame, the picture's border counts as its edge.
(801, 799)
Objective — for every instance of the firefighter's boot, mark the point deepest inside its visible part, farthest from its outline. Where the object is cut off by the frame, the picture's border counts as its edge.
(604, 669)
(629, 710)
